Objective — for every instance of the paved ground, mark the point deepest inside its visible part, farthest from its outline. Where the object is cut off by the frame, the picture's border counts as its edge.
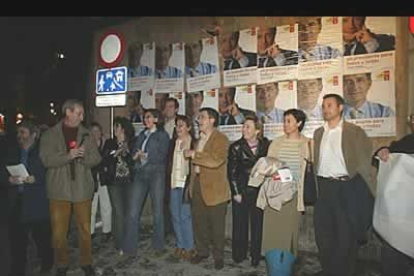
(106, 262)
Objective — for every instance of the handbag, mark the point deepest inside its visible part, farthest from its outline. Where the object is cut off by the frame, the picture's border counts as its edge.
(310, 193)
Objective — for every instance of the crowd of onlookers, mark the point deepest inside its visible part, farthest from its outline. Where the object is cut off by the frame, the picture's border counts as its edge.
(73, 169)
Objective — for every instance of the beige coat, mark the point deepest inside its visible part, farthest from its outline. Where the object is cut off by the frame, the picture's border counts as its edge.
(304, 154)
(53, 153)
(212, 161)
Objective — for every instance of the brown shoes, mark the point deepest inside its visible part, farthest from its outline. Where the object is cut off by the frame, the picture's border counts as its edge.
(178, 253)
(187, 255)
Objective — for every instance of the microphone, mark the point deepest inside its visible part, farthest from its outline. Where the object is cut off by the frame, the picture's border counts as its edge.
(85, 135)
(83, 138)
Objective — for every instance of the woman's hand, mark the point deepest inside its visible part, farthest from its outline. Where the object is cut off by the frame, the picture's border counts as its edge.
(384, 154)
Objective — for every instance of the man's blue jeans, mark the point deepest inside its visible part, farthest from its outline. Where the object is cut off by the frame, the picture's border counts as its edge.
(145, 182)
(181, 220)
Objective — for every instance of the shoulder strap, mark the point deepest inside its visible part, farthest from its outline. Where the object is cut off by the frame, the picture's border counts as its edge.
(310, 151)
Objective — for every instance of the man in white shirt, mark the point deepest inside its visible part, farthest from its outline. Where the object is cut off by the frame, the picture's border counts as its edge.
(342, 165)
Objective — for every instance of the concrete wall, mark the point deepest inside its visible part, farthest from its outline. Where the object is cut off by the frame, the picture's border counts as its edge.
(186, 29)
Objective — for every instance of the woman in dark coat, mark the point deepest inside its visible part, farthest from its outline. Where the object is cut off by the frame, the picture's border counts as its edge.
(243, 155)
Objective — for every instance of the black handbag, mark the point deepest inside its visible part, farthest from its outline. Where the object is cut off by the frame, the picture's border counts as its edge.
(310, 193)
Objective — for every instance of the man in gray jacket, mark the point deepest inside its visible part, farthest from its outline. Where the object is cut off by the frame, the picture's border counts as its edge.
(68, 152)
(343, 211)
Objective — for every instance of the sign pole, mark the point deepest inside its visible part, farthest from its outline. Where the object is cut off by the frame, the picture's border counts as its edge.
(112, 121)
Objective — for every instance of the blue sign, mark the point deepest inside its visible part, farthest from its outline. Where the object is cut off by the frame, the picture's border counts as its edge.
(111, 81)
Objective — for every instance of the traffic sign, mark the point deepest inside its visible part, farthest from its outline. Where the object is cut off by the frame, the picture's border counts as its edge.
(111, 81)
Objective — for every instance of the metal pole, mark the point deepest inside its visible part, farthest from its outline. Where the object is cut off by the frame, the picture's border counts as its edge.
(112, 122)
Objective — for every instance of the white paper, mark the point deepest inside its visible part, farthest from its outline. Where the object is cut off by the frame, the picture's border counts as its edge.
(285, 175)
(18, 170)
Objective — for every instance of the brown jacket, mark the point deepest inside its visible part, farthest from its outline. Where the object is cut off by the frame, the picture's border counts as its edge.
(212, 161)
(356, 148)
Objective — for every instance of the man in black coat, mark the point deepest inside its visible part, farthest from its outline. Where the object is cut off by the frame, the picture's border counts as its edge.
(269, 53)
(29, 206)
(230, 113)
(358, 39)
(234, 56)
(4, 214)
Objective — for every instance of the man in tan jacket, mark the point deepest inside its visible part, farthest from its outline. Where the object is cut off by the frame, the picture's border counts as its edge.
(342, 165)
(209, 188)
(68, 151)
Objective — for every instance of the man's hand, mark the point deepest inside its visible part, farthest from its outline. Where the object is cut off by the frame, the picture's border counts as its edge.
(233, 109)
(237, 198)
(76, 152)
(273, 51)
(139, 155)
(30, 179)
(384, 154)
(238, 53)
(14, 179)
(364, 35)
(189, 153)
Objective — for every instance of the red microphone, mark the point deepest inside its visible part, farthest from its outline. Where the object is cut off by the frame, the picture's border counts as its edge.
(72, 144)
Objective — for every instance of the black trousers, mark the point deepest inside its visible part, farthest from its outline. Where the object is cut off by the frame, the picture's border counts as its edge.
(19, 236)
(395, 263)
(243, 213)
(336, 241)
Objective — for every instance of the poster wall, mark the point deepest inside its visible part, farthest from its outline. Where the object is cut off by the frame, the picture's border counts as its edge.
(267, 70)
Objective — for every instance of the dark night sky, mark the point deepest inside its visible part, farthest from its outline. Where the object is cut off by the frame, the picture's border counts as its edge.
(29, 48)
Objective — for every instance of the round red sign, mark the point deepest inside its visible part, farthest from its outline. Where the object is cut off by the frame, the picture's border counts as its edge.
(111, 49)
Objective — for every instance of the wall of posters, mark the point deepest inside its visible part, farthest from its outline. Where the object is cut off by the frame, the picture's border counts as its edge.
(265, 70)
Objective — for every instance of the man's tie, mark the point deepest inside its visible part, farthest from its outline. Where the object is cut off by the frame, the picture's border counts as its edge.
(261, 62)
(223, 119)
(227, 64)
(348, 48)
(354, 113)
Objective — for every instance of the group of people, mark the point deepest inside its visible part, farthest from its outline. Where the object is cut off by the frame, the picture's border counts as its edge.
(71, 168)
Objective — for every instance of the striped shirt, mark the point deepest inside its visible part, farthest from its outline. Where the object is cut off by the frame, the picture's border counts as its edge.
(289, 153)
(203, 68)
(319, 52)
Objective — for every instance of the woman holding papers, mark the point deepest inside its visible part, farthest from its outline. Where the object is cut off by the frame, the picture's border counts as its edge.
(281, 228)
(243, 155)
